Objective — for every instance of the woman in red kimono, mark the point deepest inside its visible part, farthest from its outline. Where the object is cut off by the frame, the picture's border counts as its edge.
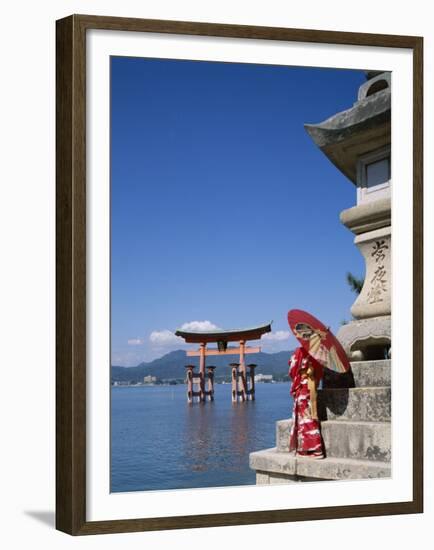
(305, 372)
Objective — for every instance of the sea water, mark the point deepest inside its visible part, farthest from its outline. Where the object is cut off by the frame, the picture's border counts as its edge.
(159, 441)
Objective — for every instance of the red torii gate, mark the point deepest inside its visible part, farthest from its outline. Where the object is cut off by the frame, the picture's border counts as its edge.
(222, 338)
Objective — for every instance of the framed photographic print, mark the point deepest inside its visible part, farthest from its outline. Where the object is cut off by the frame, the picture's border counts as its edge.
(226, 275)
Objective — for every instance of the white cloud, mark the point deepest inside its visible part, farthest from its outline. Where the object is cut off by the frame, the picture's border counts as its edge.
(279, 340)
(164, 338)
(277, 336)
(199, 325)
(135, 341)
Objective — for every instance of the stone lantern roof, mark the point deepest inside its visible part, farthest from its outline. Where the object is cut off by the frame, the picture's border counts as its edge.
(363, 128)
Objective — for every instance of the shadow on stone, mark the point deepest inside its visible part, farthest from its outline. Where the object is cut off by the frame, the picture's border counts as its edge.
(334, 400)
(333, 379)
(334, 394)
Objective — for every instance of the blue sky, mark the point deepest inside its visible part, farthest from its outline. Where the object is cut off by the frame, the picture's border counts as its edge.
(224, 212)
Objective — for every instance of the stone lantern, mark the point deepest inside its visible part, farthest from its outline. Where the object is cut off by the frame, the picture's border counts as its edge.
(354, 408)
(357, 141)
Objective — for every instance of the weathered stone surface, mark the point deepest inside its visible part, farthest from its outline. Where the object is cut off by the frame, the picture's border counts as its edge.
(274, 462)
(342, 468)
(371, 373)
(347, 135)
(367, 216)
(360, 334)
(375, 298)
(283, 430)
(268, 460)
(357, 404)
(262, 478)
(362, 374)
(360, 440)
(279, 479)
(374, 78)
(369, 112)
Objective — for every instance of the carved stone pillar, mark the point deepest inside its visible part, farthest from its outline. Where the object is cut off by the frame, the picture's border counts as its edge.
(357, 141)
(368, 336)
(375, 297)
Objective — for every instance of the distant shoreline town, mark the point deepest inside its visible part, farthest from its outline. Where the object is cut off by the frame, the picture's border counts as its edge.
(169, 370)
(150, 380)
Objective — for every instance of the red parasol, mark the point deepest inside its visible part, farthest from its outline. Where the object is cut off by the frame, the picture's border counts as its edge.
(318, 340)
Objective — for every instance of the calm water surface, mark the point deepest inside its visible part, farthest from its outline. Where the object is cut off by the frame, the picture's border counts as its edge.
(159, 441)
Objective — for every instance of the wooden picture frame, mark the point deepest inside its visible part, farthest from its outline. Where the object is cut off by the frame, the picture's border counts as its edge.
(71, 273)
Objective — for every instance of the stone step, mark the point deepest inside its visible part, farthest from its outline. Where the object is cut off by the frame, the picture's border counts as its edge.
(272, 466)
(355, 404)
(344, 439)
(362, 374)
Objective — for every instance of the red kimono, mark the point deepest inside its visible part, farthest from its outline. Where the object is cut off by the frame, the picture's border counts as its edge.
(305, 437)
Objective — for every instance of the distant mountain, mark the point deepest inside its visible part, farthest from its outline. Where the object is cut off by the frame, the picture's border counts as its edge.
(172, 365)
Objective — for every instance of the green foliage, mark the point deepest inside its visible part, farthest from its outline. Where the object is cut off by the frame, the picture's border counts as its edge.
(355, 283)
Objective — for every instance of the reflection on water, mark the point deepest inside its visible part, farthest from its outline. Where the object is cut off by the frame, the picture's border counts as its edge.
(159, 441)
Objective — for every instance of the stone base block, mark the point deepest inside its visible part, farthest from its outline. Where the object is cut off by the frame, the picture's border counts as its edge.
(359, 440)
(364, 337)
(264, 478)
(290, 468)
(362, 374)
(356, 404)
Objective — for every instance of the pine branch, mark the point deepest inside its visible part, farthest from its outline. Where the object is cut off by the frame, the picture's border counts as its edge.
(355, 283)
